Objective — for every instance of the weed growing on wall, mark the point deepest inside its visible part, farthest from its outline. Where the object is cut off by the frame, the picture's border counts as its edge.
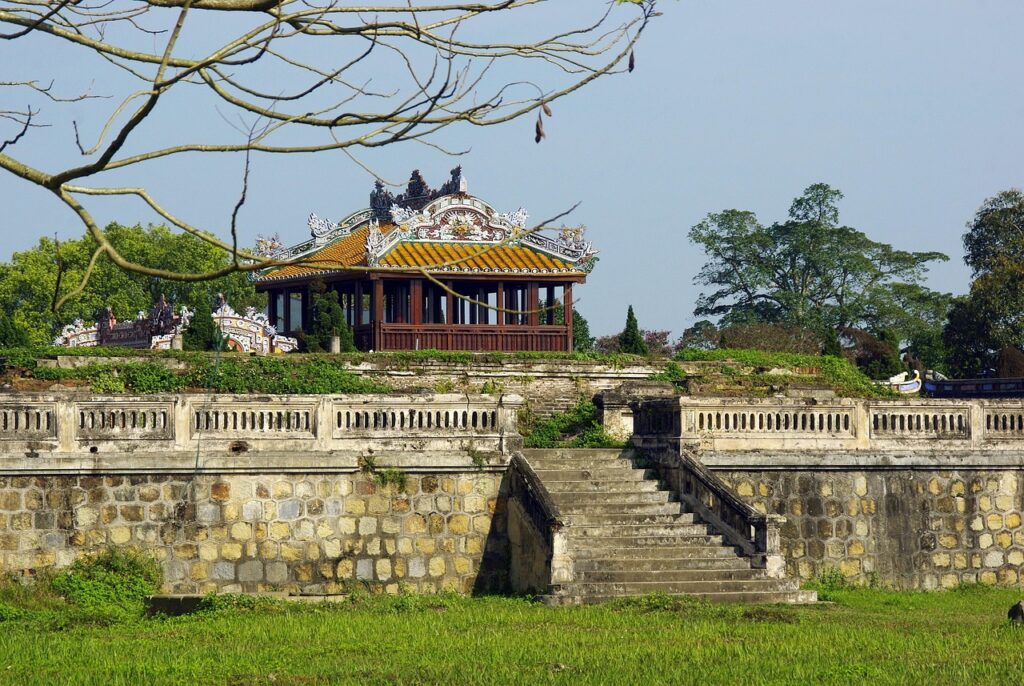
(672, 373)
(835, 371)
(278, 374)
(580, 427)
(390, 476)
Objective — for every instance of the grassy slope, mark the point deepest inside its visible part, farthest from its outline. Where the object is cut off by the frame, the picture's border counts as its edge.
(866, 636)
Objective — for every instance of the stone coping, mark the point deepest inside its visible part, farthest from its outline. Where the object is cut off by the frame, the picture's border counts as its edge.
(338, 462)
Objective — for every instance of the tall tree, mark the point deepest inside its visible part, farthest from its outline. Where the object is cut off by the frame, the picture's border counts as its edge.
(991, 316)
(808, 271)
(631, 340)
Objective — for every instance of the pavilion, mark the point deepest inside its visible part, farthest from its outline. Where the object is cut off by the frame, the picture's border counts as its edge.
(434, 269)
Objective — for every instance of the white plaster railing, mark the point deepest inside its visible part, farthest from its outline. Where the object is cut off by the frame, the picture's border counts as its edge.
(839, 424)
(85, 424)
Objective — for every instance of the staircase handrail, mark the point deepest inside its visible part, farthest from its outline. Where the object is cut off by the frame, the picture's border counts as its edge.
(537, 502)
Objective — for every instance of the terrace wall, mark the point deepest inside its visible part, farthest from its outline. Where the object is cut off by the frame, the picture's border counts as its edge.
(269, 493)
(910, 493)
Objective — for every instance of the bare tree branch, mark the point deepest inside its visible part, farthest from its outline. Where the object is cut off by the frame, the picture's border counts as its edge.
(345, 76)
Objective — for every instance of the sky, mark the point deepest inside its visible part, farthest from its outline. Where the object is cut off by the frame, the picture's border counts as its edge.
(913, 109)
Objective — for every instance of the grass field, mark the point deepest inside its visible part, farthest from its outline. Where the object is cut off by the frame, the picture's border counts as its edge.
(861, 636)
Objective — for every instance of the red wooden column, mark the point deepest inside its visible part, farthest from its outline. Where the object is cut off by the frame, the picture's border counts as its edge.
(416, 301)
(377, 317)
(499, 316)
(567, 315)
(533, 303)
(450, 304)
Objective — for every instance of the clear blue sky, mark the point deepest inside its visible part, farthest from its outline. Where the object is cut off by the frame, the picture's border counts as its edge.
(914, 109)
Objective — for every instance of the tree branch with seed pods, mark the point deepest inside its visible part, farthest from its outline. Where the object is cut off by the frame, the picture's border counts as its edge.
(302, 77)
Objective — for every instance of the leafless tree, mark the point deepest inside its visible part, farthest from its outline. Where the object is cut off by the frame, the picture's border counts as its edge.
(353, 77)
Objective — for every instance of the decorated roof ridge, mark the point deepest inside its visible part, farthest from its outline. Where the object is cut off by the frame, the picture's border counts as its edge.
(421, 215)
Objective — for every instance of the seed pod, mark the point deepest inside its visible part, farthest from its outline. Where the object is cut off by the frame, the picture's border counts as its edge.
(632, 61)
(539, 129)
(547, 110)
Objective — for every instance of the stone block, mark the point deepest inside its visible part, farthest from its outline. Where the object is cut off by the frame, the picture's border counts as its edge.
(223, 571)
(344, 569)
(252, 510)
(364, 569)
(289, 509)
(417, 568)
(436, 566)
(292, 552)
(231, 551)
(251, 570)
(383, 569)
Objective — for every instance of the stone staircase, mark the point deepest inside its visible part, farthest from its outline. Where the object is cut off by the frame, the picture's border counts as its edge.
(627, 536)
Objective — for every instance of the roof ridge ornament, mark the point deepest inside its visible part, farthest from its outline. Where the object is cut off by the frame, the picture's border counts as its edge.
(320, 229)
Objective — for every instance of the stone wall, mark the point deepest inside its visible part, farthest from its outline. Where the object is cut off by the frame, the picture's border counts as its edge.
(547, 386)
(908, 528)
(304, 532)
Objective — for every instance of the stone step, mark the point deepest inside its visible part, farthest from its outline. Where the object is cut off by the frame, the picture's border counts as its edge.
(618, 542)
(749, 597)
(595, 474)
(575, 453)
(599, 531)
(583, 463)
(628, 518)
(638, 486)
(689, 587)
(598, 508)
(654, 564)
(572, 498)
(668, 575)
(675, 552)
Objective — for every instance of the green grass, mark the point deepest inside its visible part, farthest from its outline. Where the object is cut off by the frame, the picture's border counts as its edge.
(837, 372)
(864, 636)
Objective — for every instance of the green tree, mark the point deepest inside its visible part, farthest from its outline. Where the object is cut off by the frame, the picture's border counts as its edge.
(203, 333)
(328, 321)
(11, 336)
(703, 335)
(631, 340)
(582, 341)
(28, 282)
(991, 316)
(808, 271)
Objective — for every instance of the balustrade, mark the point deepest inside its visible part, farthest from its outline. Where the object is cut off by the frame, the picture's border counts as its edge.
(841, 424)
(280, 423)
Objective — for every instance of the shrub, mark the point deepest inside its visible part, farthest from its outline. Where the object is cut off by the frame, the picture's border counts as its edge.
(109, 586)
(580, 427)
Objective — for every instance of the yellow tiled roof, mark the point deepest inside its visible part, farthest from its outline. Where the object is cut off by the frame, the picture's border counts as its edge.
(472, 257)
(350, 251)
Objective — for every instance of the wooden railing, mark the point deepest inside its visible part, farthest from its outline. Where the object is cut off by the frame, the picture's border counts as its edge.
(118, 424)
(480, 337)
(840, 424)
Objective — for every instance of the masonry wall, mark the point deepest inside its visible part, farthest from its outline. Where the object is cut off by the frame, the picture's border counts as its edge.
(547, 386)
(908, 528)
(309, 532)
